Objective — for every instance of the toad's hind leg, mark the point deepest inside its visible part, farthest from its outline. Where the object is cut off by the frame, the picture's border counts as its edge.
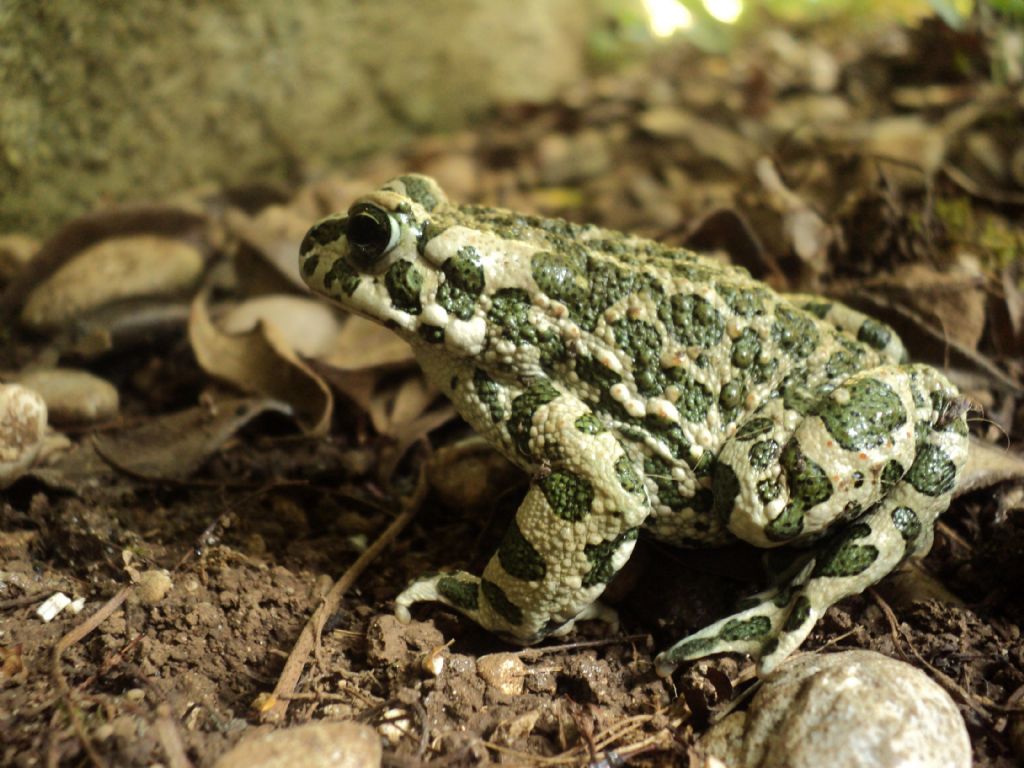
(862, 547)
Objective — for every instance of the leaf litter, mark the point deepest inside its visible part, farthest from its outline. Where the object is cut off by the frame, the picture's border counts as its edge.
(265, 444)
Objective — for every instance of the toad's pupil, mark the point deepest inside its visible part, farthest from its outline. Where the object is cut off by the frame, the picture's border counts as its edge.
(369, 231)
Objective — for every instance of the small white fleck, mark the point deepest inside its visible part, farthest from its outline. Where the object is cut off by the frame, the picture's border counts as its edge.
(53, 605)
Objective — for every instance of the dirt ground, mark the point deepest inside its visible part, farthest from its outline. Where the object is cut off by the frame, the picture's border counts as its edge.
(206, 520)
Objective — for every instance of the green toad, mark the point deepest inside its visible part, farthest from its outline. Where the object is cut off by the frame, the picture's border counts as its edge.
(644, 386)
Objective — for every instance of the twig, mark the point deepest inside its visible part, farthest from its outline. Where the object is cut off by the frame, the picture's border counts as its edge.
(275, 706)
(170, 738)
(73, 636)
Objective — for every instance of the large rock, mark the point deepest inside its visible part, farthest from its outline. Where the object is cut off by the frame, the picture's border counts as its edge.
(856, 709)
(148, 97)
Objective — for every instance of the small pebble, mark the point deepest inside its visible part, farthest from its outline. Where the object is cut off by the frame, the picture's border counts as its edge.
(313, 745)
(153, 586)
(73, 396)
(856, 709)
(22, 429)
(504, 671)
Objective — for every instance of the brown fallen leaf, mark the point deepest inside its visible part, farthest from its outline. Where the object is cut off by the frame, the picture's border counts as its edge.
(363, 345)
(261, 362)
(269, 239)
(174, 446)
(309, 326)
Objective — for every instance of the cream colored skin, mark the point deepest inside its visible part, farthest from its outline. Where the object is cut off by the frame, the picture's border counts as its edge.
(646, 386)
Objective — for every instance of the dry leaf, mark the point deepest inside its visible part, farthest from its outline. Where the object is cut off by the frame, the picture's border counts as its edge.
(261, 362)
(308, 326)
(363, 345)
(986, 466)
(174, 446)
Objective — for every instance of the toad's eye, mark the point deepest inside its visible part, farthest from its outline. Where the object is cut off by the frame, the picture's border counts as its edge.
(371, 233)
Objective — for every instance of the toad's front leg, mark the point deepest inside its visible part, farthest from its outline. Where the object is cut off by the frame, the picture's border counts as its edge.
(576, 527)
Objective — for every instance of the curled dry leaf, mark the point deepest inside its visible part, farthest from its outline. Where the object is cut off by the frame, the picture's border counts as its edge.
(91, 230)
(807, 232)
(363, 345)
(262, 362)
(310, 327)
(174, 446)
(269, 239)
(988, 465)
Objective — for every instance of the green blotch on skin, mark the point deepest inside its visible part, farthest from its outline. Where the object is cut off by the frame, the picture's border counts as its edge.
(519, 557)
(404, 282)
(626, 473)
(892, 473)
(324, 232)
(694, 398)
(700, 646)
(818, 309)
(561, 276)
(420, 190)
(464, 282)
(845, 558)
(746, 349)
(693, 320)
(309, 265)
(731, 394)
(874, 334)
(762, 454)
(866, 417)
(510, 311)
(808, 487)
(768, 490)
(489, 393)
(428, 232)
(799, 615)
(499, 601)
(906, 521)
(754, 428)
(642, 344)
(589, 424)
(933, 472)
(753, 628)
(539, 393)
(600, 557)
(431, 334)
(568, 495)
(846, 361)
(510, 315)
(725, 487)
(462, 594)
(794, 332)
(742, 301)
(344, 275)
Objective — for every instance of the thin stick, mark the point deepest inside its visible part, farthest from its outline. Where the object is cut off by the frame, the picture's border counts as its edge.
(275, 707)
(75, 635)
